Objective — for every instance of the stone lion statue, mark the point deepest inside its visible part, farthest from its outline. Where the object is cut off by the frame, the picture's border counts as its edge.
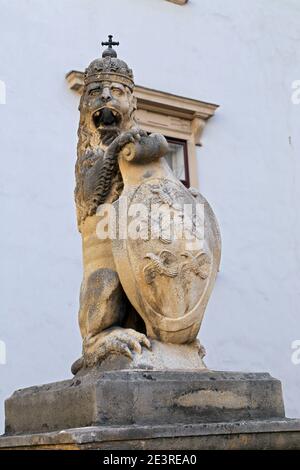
(114, 317)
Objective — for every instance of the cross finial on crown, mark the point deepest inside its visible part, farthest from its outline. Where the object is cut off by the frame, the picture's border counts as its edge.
(109, 52)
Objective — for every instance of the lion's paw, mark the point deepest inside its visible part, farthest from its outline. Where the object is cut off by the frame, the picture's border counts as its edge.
(123, 341)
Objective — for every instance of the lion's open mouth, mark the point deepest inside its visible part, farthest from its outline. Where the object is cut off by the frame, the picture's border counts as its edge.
(106, 117)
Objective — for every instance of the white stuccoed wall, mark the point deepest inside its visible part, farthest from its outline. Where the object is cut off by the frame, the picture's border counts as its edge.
(242, 55)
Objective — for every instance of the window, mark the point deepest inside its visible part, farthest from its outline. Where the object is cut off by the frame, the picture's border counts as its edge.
(177, 159)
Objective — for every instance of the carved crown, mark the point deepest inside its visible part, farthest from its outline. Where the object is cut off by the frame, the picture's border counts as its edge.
(110, 68)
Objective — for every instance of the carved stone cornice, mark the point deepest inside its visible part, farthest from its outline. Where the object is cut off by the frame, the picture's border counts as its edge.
(75, 80)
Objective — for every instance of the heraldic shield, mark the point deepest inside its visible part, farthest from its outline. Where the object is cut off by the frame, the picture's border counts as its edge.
(166, 243)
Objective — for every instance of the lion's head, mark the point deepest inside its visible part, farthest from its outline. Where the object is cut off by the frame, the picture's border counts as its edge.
(107, 104)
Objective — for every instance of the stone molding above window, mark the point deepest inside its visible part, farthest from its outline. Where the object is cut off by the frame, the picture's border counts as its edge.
(178, 2)
(171, 115)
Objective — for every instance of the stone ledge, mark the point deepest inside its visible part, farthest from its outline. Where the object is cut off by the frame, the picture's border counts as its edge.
(256, 434)
(178, 2)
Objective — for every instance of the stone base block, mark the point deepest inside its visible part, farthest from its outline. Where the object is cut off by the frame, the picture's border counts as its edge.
(144, 398)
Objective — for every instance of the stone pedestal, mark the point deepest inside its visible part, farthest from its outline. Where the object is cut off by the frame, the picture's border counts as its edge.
(152, 409)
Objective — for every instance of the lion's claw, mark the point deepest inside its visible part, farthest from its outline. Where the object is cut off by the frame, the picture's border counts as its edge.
(123, 341)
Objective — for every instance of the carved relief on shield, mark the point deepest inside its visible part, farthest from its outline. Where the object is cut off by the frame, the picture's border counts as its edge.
(171, 278)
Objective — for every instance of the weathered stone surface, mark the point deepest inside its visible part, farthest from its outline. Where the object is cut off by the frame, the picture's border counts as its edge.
(178, 2)
(162, 356)
(282, 434)
(123, 398)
